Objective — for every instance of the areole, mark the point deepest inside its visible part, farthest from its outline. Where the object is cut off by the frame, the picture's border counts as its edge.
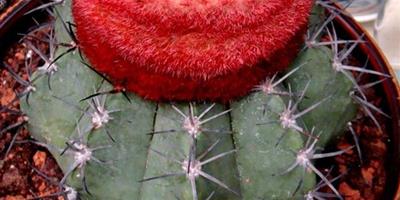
(391, 92)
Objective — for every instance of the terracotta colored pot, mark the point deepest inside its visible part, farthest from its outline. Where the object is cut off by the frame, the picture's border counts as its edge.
(391, 91)
(349, 29)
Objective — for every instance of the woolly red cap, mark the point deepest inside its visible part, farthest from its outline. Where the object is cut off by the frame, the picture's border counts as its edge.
(190, 49)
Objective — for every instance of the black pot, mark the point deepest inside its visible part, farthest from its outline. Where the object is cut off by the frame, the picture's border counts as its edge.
(13, 20)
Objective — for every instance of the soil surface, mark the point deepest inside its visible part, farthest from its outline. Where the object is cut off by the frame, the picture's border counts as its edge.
(364, 180)
(24, 164)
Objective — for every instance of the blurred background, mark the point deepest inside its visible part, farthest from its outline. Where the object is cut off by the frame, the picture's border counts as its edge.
(382, 20)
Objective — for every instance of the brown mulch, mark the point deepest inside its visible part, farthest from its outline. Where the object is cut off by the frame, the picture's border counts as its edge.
(18, 176)
(366, 180)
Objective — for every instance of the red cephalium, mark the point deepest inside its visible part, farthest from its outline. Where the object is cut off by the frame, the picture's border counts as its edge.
(190, 49)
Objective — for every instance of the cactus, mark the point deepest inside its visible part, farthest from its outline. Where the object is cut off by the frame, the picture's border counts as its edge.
(112, 144)
(323, 83)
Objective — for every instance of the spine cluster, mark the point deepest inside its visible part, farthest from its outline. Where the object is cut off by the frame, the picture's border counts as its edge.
(114, 145)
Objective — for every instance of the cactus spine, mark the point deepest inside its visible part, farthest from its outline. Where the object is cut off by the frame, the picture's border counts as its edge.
(117, 146)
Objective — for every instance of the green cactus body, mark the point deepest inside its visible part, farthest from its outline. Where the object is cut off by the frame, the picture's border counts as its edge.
(327, 85)
(132, 157)
(235, 154)
(258, 150)
(176, 145)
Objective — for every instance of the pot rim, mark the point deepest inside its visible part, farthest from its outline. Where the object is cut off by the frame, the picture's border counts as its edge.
(13, 13)
(391, 88)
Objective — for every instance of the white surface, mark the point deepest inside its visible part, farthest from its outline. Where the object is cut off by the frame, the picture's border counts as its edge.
(388, 33)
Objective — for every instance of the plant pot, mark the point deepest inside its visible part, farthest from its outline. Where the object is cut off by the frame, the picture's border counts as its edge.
(348, 28)
(13, 20)
(391, 91)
